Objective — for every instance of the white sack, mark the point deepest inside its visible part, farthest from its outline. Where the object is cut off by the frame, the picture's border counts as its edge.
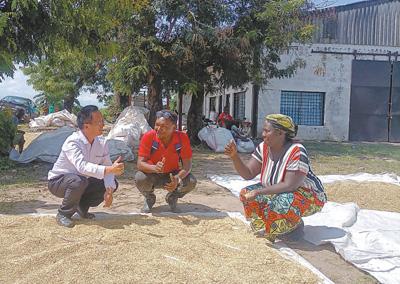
(59, 119)
(245, 146)
(130, 126)
(216, 138)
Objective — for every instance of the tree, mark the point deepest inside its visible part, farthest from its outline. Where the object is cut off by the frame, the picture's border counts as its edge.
(268, 28)
(70, 49)
(186, 46)
(23, 26)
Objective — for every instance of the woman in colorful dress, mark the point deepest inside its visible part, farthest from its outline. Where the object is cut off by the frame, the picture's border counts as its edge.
(288, 190)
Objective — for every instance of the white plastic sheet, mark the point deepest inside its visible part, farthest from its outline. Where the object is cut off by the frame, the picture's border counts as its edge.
(58, 119)
(363, 177)
(367, 238)
(130, 126)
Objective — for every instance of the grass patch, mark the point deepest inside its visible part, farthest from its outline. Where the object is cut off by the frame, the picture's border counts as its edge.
(6, 164)
(346, 158)
(356, 150)
(21, 175)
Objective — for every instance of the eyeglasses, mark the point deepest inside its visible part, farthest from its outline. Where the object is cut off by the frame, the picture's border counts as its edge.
(167, 114)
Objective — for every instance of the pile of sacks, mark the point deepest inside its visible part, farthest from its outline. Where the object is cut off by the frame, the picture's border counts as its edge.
(123, 138)
(57, 119)
(217, 137)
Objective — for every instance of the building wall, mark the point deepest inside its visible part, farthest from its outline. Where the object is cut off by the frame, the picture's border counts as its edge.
(328, 73)
(230, 92)
(374, 22)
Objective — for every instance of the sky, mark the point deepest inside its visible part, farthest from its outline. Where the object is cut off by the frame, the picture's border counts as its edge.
(18, 85)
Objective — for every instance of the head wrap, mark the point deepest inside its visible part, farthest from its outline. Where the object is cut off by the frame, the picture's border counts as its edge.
(283, 122)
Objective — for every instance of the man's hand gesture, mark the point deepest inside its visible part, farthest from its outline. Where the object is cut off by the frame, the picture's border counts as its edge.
(159, 167)
(230, 149)
(171, 186)
(118, 166)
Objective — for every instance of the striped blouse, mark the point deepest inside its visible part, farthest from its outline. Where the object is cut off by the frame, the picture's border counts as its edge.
(294, 159)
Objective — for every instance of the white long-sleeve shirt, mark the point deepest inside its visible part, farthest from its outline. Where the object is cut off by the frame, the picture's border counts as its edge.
(80, 157)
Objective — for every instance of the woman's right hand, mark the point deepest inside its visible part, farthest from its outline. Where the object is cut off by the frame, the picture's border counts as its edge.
(230, 149)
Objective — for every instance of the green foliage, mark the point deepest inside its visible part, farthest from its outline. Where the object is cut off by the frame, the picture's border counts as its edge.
(7, 130)
(111, 112)
(177, 46)
(6, 164)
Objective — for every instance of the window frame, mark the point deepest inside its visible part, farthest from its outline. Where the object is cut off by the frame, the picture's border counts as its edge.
(299, 117)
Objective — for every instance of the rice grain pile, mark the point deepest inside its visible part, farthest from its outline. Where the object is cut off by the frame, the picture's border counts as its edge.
(368, 195)
(140, 249)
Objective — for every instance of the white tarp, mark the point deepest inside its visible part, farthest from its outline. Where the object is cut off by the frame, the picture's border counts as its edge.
(47, 147)
(362, 177)
(367, 238)
(130, 126)
(59, 119)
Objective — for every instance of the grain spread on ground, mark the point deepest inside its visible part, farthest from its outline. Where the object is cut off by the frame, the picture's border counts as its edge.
(138, 249)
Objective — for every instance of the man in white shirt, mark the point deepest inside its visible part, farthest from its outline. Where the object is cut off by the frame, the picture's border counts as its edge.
(83, 173)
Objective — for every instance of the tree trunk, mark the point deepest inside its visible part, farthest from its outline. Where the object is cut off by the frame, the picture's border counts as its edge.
(123, 101)
(69, 102)
(256, 90)
(194, 119)
(254, 113)
(154, 98)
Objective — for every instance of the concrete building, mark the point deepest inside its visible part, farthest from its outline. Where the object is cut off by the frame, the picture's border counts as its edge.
(349, 88)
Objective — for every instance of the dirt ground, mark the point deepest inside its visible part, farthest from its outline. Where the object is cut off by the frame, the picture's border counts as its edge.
(32, 196)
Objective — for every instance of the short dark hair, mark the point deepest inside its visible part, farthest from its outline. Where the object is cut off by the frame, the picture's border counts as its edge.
(168, 115)
(85, 115)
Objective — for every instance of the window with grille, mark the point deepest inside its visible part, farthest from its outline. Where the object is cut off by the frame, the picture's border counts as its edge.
(305, 108)
(212, 103)
(239, 100)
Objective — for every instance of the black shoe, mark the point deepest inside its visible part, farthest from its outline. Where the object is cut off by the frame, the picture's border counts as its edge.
(172, 201)
(64, 221)
(149, 201)
(84, 213)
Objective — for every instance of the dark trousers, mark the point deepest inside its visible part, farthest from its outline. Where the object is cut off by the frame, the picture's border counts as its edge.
(77, 191)
(146, 183)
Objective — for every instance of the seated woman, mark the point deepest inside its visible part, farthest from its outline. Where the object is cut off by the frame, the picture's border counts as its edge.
(288, 190)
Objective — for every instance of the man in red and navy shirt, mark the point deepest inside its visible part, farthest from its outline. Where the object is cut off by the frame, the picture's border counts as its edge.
(161, 152)
(224, 117)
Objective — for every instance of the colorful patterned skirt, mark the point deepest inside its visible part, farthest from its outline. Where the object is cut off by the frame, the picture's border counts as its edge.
(281, 213)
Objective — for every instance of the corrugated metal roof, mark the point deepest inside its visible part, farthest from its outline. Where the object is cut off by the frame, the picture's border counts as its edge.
(375, 22)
